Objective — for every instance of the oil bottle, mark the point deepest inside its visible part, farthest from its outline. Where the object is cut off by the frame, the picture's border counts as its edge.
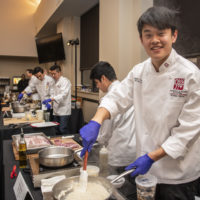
(103, 161)
(1, 115)
(22, 151)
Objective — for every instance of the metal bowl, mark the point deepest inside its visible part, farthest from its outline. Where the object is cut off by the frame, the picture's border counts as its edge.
(56, 156)
(19, 108)
(65, 186)
(15, 103)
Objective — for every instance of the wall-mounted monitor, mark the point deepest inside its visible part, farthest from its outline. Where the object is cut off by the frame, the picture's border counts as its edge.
(50, 48)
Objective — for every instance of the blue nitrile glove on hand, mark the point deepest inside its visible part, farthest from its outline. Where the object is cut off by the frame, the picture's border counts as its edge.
(89, 135)
(20, 96)
(48, 106)
(142, 164)
(29, 94)
(46, 101)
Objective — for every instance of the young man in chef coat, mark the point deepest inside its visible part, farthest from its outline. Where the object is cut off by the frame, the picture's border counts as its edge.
(165, 91)
(61, 99)
(30, 90)
(44, 85)
(118, 134)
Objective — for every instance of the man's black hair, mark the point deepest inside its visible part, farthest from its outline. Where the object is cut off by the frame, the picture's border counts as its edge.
(30, 71)
(158, 17)
(38, 69)
(55, 67)
(103, 68)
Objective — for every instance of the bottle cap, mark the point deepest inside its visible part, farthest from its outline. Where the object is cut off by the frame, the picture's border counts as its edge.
(104, 150)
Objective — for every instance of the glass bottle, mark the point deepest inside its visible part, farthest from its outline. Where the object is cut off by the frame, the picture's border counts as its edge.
(1, 115)
(22, 151)
(103, 161)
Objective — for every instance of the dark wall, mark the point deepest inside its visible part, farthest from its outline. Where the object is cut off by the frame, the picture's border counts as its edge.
(188, 42)
(89, 44)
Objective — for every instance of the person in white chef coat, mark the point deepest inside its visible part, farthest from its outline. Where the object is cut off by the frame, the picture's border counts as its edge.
(61, 99)
(30, 90)
(165, 91)
(117, 134)
(44, 85)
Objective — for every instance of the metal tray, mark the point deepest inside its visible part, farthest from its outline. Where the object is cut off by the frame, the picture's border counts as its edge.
(31, 150)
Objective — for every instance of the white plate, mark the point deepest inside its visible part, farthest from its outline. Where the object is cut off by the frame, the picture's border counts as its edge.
(44, 124)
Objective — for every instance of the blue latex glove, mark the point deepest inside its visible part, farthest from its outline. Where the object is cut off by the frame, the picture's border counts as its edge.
(89, 135)
(20, 96)
(29, 94)
(142, 164)
(48, 106)
(46, 101)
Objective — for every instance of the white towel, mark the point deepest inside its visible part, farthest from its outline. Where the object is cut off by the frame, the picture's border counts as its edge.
(47, 185)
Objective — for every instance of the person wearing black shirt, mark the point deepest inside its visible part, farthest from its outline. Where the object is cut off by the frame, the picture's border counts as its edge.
(23, 83)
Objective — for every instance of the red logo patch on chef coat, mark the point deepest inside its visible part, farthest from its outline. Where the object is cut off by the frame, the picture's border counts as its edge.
(178, 83)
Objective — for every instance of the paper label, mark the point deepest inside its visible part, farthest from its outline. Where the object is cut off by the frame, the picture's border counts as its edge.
(21, 190)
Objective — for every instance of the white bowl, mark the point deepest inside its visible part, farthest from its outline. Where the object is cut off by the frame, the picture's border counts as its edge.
(92, 170)
(118, 183)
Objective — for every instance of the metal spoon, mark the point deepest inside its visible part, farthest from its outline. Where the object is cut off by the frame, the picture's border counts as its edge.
(123, 174)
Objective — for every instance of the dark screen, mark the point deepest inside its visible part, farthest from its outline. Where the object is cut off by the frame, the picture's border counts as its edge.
(188, 41)
(50, 48)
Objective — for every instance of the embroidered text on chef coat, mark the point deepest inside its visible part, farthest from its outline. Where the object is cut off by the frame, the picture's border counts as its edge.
(178, 88)
(139, 80)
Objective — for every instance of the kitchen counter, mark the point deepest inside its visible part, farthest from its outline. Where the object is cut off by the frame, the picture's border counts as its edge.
(87, 95)
(8, 162)
(7, 121)
(89, 102)
(6, 133)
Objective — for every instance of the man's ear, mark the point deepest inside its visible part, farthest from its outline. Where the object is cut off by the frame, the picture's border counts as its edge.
(174, 36)
(103, 78)
(141, 39)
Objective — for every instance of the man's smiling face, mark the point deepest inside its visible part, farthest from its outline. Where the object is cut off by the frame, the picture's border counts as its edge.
(157, 43)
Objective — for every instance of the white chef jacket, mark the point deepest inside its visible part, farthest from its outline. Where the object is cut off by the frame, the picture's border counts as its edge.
(61, 92)
(118, 135)
(167, 112)
(43, 87)
(31, 88)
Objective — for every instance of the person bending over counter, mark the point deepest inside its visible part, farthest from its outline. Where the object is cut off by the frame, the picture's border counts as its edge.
(118, 134)
(30, 90)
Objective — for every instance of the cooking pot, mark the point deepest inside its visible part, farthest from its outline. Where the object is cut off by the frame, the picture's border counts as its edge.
(15, 103)
(64, 187)
(19, 108)
(56, 156)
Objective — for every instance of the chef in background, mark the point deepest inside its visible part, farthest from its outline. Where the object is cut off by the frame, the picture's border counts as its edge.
(44, 84)
(30, 90)
(61, 100)
(22, 84)
(117, 134)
